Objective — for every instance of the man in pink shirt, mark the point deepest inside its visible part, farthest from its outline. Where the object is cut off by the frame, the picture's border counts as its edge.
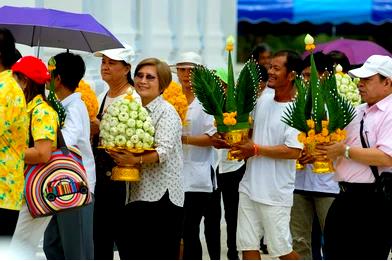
(358, 224)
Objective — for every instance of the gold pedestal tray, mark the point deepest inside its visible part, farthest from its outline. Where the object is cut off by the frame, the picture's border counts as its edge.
(235, 137)
(125, 174)
(131, 174)
(321, 165)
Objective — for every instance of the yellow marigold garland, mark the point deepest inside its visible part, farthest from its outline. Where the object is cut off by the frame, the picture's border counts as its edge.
(229, 118)
(89, 98)
(174, 95)
(324, 136)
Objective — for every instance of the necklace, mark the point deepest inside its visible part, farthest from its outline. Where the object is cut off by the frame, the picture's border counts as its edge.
(114, 93)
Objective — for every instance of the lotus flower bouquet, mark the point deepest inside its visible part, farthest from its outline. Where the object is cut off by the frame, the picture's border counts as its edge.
(231, 106)
(319, 112)
(347, 87)
(127, 125)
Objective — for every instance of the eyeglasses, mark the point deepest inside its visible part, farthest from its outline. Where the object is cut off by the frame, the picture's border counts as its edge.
(149, 77)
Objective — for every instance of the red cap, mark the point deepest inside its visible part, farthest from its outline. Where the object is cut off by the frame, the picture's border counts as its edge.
(33, 68)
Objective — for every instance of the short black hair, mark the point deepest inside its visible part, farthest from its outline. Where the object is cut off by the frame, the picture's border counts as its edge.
(293, 60)
(260, 48)
(323, 62)
(8, 52)
(338, 57)
(71, 69)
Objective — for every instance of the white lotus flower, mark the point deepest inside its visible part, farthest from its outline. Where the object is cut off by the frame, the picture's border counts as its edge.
(113, 121)
(129, 144)
(130, 132)
(139, 145)
(133, 115)
(120, 140)
(139, 124)
(121, 127)
(114, 131)
(123, 116)
(135, 138)
(131, 123)
(113, 110)
(124, 108)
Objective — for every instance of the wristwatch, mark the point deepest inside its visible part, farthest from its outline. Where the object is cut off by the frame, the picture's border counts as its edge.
(347, 152)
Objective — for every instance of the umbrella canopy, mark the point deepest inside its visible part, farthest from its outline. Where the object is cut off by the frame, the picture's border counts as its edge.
(357, 51)
(54, 28)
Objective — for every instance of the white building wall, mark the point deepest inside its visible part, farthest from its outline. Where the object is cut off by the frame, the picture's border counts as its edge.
(155, 28)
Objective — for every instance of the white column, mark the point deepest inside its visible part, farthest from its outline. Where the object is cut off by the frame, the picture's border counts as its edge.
(212, 37)
(156, 36)
(185, 24)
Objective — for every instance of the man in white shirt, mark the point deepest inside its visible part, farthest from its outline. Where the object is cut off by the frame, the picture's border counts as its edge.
(69, 234)
(266, 190)
(201, 196)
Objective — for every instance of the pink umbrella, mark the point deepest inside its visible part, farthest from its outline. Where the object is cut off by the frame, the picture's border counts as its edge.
(357, 51)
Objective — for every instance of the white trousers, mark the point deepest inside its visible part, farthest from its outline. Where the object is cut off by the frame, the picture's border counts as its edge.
(28, 233)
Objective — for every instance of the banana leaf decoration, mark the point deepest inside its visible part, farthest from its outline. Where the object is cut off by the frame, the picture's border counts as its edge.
(209, 91)
(340, 110)
(318, 100)
(52, 99)
(230, 107)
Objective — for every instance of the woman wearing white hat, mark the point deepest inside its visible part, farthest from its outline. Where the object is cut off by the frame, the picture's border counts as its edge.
(110, 196)
(201, 195)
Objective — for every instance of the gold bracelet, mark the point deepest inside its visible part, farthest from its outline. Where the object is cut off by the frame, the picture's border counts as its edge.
(141, 160)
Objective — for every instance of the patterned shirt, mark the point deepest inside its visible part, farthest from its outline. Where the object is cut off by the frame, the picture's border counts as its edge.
(157, 178)
(13, 141)
(44, 120)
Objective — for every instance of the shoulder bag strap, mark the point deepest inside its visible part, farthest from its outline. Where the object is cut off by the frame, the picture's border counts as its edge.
(373, 168)
(61, 142)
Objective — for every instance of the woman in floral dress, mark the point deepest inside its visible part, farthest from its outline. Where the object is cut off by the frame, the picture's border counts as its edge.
(31, 75)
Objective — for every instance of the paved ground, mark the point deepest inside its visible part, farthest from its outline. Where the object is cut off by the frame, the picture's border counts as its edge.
(223, 244)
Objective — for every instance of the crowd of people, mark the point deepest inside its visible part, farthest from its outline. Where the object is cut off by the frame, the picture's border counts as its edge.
(269, 205)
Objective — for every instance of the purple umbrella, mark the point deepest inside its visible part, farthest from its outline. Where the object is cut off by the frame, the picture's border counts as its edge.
(54, 28)
(357, 51)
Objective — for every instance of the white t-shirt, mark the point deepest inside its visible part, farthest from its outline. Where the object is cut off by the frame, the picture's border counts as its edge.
(226, 165)
(307, 180)
(267, 180)
(198, 160)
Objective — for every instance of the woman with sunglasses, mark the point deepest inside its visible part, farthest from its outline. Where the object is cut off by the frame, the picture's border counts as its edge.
(154, 214)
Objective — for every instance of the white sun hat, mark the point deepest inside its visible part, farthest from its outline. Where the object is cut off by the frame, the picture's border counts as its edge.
(375, 64)
(126, 54)
(187, 60)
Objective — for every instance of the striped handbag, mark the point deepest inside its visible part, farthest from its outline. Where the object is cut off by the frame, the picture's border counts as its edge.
(57, 185)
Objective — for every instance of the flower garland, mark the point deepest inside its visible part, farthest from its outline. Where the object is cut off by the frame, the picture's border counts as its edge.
(174, 95)
(89, 98)
(324, 136)
(230, 106)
